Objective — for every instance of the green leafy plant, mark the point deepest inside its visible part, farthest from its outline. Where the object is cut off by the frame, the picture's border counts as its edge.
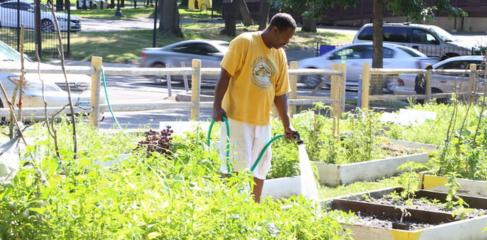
(113, 192)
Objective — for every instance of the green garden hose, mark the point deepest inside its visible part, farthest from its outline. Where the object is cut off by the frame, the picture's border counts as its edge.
(227, 156)
(105, 87)
(261, 154)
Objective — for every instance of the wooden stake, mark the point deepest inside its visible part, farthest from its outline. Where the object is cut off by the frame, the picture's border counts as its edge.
(96, 64)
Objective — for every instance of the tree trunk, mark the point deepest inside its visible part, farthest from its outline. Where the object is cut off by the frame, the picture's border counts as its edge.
(244, 12)
(59, 5)
(264, 9)
(378, 36)
(169, 18)
(309, 25)
(378, 12)
(228, 11)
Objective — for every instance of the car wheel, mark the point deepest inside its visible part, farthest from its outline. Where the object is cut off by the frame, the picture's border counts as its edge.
(158, 79)
(443, 100)
(47, 25)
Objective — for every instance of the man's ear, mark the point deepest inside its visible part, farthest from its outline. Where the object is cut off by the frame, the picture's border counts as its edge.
(274, 29)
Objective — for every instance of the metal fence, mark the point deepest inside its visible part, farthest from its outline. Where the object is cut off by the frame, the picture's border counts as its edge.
(39, 29)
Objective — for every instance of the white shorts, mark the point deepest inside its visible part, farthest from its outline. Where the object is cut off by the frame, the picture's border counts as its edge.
(246, 143)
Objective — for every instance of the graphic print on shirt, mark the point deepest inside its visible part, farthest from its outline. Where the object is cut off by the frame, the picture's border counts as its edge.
(262, 72)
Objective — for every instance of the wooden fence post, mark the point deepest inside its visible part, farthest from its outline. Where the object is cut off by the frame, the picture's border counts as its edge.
(293, 80)
(195, 89)
(338, 96)
(427, 84)
(472, 82)
(364, 97)
(96, 64)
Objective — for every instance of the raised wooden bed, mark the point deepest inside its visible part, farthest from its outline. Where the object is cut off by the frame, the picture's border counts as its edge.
(379, 221)
(467, 186)
(337, 174)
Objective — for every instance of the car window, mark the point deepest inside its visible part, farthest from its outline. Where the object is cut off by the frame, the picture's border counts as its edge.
(423, 37)
(10, 5)
(25, 6)
(396, 34)
(13, 5)
(457, 65)
(353, 52)
(366, 34)
(195, 48)
(387, 53)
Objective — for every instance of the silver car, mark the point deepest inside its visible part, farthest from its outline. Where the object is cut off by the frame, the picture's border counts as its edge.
(55, 86)
(428, 39)
(356, 55)
(440, 82)
(10, 10)
(181, 54)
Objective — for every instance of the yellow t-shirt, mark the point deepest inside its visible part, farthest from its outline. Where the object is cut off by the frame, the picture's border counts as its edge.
(258, 75)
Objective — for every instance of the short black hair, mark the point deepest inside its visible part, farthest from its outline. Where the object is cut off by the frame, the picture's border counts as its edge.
(283, 21)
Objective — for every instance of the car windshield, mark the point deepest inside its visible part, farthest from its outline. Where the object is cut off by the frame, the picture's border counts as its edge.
(9, 54)
(442, 34)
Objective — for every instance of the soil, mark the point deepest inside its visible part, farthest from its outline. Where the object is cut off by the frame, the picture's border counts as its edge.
(394, 150)
(386, 223)
(425, 204)
(395, 222)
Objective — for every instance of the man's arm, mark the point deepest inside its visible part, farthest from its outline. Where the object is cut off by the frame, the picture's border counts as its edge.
(220, 90)
(281, 105)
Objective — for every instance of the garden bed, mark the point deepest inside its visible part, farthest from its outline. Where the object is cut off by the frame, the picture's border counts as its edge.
(469, 187)
(337, 174)
(379, 216)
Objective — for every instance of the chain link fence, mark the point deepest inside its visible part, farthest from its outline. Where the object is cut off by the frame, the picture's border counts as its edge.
(39, 28)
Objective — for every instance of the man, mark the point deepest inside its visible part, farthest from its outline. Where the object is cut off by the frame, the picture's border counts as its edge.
(254, 77)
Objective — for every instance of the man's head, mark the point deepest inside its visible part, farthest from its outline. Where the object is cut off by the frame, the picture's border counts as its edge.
(281, 29)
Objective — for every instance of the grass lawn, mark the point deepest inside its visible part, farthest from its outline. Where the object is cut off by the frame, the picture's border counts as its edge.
(127, 13)
(358, 187)
(125, 46)
(140, 12)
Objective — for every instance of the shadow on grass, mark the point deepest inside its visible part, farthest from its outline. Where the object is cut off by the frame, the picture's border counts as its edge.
(127, 13)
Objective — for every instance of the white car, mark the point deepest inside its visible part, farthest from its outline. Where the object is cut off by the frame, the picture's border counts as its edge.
(440, 82)
(9, 18)
(55, 87)
(428, 39)
(356, 55)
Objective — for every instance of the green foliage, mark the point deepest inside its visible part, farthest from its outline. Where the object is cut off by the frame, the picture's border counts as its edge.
(285, 159)
(460, 130)
(361, 138)
(409, 179)
(420, 11)
(114, 192)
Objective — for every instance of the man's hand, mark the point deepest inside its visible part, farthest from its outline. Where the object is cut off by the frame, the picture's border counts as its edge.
(218, 114)
(221, 88)
(290, 133)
